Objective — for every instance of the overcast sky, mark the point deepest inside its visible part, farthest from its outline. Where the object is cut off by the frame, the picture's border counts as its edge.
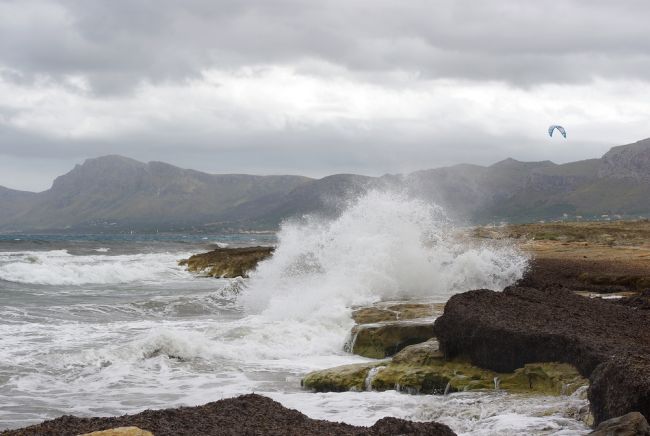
(315, 88)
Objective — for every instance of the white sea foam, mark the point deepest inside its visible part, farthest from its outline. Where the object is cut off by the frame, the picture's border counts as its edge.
(177, 340)
(383, 246)
(58, 267)
(467, 413)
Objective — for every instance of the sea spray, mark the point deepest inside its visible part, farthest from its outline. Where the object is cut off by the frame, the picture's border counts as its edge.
(384, 245)
(367, 383)
(165, 338)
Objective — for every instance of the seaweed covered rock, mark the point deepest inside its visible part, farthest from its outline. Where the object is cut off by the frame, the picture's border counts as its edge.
(227, 262)
(248, 414)
(607, 342)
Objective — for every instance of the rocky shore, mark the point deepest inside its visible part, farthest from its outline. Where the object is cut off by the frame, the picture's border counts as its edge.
(245, 415)
(547, 335)
(596, 257)
(608, 343)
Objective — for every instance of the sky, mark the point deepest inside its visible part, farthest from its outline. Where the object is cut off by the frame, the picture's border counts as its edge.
(317, 88)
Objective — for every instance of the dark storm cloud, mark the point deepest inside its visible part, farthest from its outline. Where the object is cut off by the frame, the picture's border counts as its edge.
(118, 44)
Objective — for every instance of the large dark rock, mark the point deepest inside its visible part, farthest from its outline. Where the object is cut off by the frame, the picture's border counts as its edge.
(639, 302)
(607, 342)
(249, 414)
(582, 274)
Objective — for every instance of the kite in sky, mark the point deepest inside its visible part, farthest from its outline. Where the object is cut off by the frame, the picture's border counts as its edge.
(559, 128)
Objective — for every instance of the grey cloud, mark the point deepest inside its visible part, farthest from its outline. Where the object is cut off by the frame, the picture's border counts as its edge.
(118, 44)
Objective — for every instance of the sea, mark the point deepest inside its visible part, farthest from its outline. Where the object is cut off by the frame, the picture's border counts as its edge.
(108, 324)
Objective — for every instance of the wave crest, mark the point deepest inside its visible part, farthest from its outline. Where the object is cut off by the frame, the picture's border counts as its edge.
(58, 267)
(383, 246)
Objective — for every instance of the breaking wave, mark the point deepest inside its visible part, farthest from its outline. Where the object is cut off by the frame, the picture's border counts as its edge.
(383, 246)
(58, 267)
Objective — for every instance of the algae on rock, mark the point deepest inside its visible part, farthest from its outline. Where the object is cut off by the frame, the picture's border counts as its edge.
(422, 369)
(340, 379)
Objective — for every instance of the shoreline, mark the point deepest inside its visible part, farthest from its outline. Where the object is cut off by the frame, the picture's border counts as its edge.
(561, 270)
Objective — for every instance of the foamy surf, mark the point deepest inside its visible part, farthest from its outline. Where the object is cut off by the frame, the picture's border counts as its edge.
(119, 334)
(58, 267)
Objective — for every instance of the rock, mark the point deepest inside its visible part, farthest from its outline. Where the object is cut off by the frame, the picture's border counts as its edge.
(419, 354)
(422, 369)
(396, 312)
(550, 378)
(607, 342)
(639, 302)
(371, 315)
(248, 414)
(587, 274)
(631, 424)
(390, 426)
(387, 338)
(227, 262)
(120, 431)
(440, 376)
(339, 379)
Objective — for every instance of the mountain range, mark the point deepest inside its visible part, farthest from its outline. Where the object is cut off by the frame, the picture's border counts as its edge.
(118, 193)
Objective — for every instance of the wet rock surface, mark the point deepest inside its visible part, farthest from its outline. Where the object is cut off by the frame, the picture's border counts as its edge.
(227, 262)
(605, 341)
(387, 338)
(339, 379)
(249, 414)
(396, 312)
(422, 369)
(631, 424)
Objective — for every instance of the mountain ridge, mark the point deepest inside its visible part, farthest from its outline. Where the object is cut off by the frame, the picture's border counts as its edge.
(119, 192)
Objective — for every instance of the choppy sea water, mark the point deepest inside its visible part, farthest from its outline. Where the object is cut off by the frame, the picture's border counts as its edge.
(97, 325)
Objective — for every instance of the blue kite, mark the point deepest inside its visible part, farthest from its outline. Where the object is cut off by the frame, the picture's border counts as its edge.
(559, 128)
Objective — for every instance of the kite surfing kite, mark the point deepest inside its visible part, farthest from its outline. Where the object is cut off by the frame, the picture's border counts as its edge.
(559, 128)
